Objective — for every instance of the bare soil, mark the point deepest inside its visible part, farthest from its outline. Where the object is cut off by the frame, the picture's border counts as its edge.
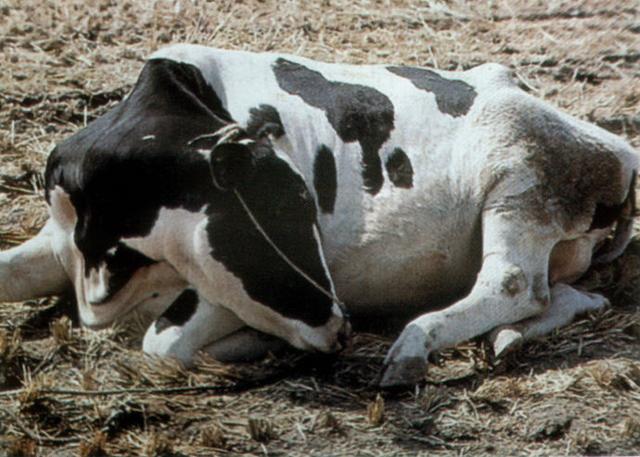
(68, 391)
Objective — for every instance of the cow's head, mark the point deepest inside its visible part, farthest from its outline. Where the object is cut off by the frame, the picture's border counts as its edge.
(263, 228)
(260, 225)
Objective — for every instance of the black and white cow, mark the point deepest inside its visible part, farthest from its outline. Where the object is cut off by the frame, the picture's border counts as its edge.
(400, 190)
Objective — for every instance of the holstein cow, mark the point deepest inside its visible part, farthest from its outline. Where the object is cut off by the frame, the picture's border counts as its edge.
(239, 194)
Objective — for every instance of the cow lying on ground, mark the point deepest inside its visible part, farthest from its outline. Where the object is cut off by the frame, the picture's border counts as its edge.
(239, 194)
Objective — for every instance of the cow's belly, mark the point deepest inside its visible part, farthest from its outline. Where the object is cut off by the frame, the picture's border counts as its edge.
(424, 261)
(428, 281)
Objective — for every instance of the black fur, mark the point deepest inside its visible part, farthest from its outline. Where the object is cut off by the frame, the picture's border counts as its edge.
(356, 112)
(325, 179)
(265, 120)
(399, 169)
(179, 312)
(453, 96)
(282, 205)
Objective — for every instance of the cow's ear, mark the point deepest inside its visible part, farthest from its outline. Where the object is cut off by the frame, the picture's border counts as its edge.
(231, 164)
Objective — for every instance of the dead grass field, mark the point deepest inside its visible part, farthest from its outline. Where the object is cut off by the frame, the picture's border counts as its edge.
(65, 62)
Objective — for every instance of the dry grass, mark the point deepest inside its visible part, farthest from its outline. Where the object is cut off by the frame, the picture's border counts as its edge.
(576, 392)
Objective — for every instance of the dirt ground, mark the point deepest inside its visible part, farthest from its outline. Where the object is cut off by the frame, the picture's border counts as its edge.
(68, 391)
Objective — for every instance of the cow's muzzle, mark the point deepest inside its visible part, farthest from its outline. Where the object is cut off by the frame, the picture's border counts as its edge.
(343, 340)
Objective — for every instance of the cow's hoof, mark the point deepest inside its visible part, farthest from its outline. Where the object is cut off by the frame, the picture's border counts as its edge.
(406, 362)
(404, 372)
(506, 340)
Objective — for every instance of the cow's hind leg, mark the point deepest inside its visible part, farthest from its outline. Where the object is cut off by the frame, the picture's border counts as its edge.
(566, 303)
(191, 324)
(512, 285)
(32, 270)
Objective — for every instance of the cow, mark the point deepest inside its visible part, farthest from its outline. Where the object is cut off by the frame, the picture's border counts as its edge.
(254, 198)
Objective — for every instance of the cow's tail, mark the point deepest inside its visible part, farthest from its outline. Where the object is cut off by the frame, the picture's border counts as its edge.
(31, 270)
(613, 247)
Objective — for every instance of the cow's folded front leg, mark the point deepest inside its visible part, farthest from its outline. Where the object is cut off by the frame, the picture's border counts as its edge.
(566, 303)
(187, 326)
(244, 345)
(512, 285)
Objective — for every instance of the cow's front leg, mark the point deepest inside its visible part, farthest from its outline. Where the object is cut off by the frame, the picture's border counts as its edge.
(566, 303)
(188, 325)
(244, 345)
(512, 285)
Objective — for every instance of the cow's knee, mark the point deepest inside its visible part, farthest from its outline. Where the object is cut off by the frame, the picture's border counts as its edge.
(187, 326)
(166, 337)
(566, 304)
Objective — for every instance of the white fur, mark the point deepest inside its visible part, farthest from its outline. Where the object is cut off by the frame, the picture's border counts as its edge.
(209, 323)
